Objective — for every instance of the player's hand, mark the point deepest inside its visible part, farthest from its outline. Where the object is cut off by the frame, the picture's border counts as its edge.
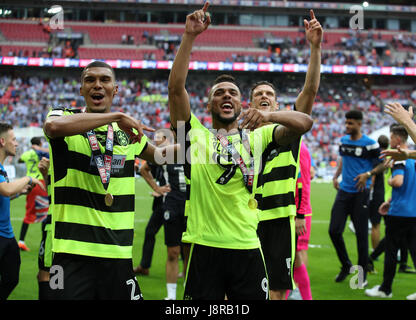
(312, 172)
(198, 21)
(253, 118)
(384, 208)
(399, 113)
(313, 30)
(155, 194)
(395, 154)
(26, 189)
(361, 181)
(300, 225)
(163, 190)
(335, 183)
(43, 166)
(127, 124)
(39, 183)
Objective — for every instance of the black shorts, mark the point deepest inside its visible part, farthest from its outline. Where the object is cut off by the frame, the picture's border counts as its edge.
(76, 277)
(45, 248)
(278, 243)
(214, 273)
(9, 266)
(174, 223)
(377, 198)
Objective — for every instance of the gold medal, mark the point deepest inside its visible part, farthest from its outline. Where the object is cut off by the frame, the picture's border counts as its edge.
(108, 199)
(252, 204)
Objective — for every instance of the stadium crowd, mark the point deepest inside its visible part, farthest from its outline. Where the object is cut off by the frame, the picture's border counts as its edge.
(355, 49)
(26, 101)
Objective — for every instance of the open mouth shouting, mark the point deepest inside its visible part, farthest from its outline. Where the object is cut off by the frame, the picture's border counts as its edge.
(227, 107)
(97, 98)
(264, 104)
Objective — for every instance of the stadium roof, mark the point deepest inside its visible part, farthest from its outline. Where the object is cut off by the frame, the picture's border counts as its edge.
(397, 6)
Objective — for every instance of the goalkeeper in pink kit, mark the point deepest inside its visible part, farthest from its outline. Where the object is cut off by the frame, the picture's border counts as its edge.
(303, 222)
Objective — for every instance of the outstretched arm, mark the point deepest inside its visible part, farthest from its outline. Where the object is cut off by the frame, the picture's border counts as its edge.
(69, 125)
(293, 124)
(179, 106)
(399, 154)
(314, 33)
(10, 189)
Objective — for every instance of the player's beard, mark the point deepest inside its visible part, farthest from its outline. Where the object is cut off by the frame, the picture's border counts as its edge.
(351, 132)
(223, 120)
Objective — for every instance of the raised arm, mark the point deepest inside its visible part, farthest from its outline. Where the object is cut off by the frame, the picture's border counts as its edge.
(314, 33)
(403, 117)
(179, 106)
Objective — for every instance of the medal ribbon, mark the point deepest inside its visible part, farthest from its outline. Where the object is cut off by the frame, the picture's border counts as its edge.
(103, 162)
(248, 174)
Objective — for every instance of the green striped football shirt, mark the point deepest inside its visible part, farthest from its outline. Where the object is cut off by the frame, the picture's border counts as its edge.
(81, 222)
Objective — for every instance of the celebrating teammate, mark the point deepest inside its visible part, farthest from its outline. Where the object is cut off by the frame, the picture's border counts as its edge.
(401, 215)
(277, 183)
(220, 168)
(93, 187)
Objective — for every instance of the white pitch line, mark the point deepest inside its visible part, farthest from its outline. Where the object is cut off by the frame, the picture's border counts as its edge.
(319, 221)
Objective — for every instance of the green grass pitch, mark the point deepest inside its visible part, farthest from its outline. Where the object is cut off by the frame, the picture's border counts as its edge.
(322, 267)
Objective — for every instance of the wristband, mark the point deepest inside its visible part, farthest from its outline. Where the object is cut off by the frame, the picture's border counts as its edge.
(300, 216)
(369, 174)
(30, 181)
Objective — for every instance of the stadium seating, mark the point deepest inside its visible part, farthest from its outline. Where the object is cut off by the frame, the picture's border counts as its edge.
(118, 53)
(18, 31)
(217, 36)
(103, 41)
(25, 51)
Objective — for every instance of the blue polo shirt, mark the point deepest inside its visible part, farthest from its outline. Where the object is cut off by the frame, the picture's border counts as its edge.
(6, 229)
(358, 156)
(403, 202)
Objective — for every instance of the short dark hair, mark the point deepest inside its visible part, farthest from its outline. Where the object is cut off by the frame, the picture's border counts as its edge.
(225, 78)
(392, 126)
(383, 141)
(4, 127)
(399, 131)
(260, 83)
(354, 114)
(36, 140)
(97, 64)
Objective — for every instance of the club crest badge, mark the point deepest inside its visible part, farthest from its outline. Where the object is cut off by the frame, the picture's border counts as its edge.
(122, 138)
